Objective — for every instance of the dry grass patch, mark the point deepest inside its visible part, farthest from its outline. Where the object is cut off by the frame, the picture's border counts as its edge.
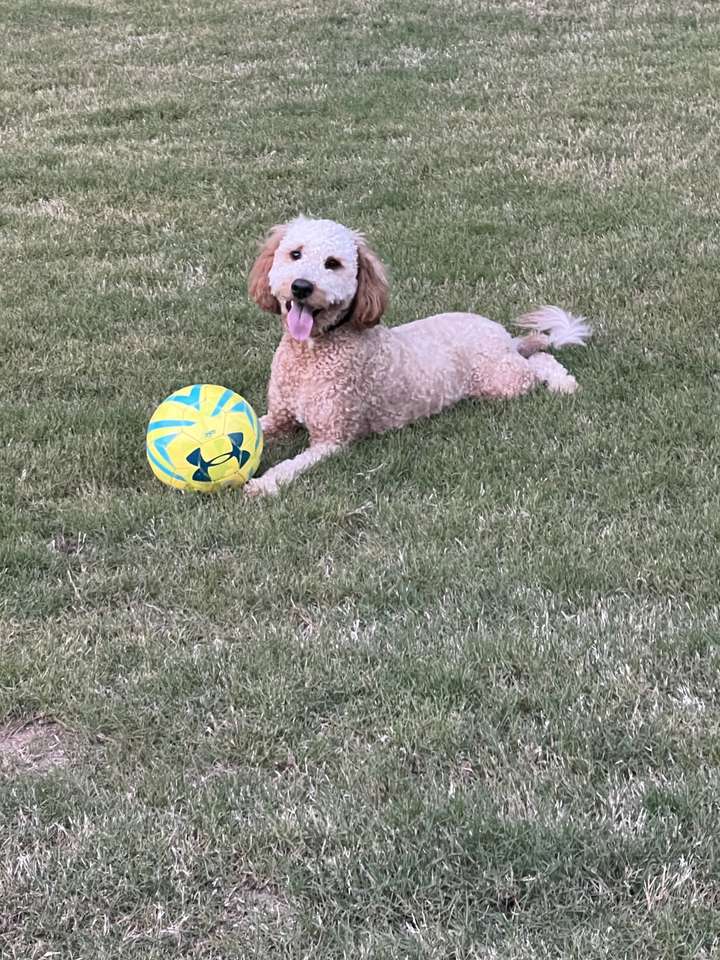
(35, 746)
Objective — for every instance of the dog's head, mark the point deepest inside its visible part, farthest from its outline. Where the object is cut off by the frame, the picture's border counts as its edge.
(317, 275)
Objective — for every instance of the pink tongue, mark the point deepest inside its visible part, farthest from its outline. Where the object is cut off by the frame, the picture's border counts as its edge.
(300, 321)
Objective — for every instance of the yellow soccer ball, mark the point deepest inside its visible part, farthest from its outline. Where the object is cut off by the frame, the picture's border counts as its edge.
(204, 437)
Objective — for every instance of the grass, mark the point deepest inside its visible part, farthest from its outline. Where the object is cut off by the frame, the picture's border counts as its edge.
(453, 694)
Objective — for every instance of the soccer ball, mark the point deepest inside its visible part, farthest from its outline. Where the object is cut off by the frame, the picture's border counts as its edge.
(204, 437)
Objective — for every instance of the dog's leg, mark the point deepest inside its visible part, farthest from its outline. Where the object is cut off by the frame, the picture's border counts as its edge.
(502, 378)
(286, 471)
(552, 373)
(277, 424)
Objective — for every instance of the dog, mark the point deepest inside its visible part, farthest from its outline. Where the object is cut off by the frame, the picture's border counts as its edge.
(341, 374)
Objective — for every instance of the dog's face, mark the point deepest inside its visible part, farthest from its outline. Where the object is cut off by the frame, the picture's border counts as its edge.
(317, 274)
(314, 275)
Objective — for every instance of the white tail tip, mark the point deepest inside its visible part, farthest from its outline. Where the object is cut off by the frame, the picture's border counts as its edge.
(563, 329)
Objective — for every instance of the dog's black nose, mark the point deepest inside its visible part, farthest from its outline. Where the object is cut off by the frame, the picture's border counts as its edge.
(301, 289)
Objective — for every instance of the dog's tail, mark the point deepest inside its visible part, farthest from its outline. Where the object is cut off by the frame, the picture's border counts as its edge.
(550, 327)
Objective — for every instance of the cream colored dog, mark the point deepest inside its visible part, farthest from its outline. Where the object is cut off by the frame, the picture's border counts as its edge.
(341, 375)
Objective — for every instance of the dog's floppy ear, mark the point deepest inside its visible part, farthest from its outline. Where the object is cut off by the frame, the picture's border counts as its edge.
(371, 296)
(258, 281)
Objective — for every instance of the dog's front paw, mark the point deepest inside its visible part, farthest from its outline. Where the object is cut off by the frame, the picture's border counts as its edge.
(261, 487)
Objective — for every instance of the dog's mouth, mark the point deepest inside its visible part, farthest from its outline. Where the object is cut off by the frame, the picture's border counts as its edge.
(300, 319)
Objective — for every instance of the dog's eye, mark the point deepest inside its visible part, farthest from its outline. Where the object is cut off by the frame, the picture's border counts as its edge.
(295, 254)
(332, 264)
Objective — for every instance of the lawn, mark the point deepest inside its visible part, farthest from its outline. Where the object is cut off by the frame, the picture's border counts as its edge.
(455, 693)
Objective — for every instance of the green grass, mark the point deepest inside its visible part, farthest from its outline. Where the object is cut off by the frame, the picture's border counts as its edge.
(453, 694)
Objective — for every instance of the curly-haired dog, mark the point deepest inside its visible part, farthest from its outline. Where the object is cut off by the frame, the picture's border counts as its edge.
(342, 375)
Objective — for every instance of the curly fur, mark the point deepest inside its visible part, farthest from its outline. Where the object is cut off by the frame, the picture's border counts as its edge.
(344, 375)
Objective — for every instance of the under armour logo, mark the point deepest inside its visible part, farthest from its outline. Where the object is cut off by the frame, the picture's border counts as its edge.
(202, 474)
